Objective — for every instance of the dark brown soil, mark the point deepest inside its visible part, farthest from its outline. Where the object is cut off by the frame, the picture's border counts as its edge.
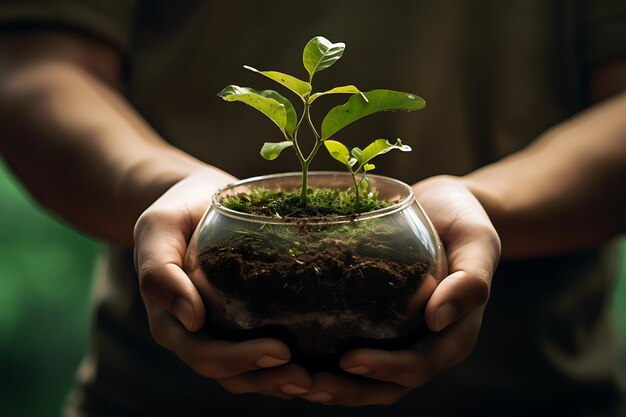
(333, 279)
(326, 280)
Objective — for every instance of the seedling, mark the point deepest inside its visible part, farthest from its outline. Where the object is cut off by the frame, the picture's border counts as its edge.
(319, 54)
(357, 161)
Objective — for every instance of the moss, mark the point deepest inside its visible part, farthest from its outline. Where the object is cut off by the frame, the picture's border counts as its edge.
(322, 202)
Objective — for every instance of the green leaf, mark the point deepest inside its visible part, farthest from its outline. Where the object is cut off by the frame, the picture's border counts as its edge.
(301, 88)
(346, 89)
(320, 53)
(368, 167)
(292, 117)
(356, 108)
(379, 147)
(271, 150)
(338, 151)
(269, 102)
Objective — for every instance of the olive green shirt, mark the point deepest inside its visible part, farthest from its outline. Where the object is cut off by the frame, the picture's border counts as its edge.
(494, 74)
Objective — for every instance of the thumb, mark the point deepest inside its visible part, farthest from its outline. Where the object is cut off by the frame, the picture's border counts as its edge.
(169, 288)
(159, 252)
(472, 265)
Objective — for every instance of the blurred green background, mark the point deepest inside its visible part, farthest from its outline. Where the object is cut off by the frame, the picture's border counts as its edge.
(45, 271)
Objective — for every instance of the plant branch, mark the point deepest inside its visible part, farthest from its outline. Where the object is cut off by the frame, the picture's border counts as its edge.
(356, 186)
(304, 162)
(308, 117)
(299, 154)
(295, 132)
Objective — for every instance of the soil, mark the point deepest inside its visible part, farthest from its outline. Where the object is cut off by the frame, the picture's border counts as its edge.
(321, 302)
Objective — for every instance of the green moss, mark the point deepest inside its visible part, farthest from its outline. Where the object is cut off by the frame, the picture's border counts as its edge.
(322, 202)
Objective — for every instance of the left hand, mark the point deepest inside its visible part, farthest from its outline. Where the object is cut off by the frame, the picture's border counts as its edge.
(454, 311)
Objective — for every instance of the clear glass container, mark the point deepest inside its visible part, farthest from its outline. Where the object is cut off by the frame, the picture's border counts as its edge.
(321, 285)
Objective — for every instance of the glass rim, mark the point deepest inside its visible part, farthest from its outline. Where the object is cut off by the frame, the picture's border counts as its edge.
(317, 220)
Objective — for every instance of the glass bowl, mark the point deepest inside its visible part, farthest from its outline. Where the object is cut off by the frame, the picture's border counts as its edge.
(321, 285)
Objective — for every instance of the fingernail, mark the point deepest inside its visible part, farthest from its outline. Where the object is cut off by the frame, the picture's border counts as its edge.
(359, 370)
(320, 397)
(293, 389)
(184, 312)
(446, 314)
(268, 361)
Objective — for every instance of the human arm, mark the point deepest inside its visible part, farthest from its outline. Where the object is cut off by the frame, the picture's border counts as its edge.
(68, 133)
(565, 191)
(73, 140)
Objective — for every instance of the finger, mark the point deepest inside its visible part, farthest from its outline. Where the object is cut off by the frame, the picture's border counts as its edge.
(414, 368)
(215, 359)
(285, 381)
(466, 288)
(159, 256)
(473, 251)
(334, 389)
(407, 368)
(456, 295)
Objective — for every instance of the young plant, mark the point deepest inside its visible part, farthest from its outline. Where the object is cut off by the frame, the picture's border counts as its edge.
(319, 54)
(358, 160)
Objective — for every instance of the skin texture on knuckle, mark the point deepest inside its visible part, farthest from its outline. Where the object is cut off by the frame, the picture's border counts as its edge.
(439, 180)
(491, 237)
(148, 280)
(481, 283)
(140, 225)
(150, 218)
(496, 241)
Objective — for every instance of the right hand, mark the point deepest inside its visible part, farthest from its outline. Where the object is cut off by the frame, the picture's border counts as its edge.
(175, 308)
(453, 313)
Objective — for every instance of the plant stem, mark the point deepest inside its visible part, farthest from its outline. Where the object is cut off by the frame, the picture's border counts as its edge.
(356, 186)
(306, 161)
(307, 111)
(296, 148)
(305, 183)
(305, 172)
(318, 139)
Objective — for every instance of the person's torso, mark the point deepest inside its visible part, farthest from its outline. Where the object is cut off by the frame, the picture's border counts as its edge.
(494, 75)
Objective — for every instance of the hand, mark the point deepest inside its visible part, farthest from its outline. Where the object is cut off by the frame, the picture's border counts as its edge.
(175, 309)
(454, 310)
